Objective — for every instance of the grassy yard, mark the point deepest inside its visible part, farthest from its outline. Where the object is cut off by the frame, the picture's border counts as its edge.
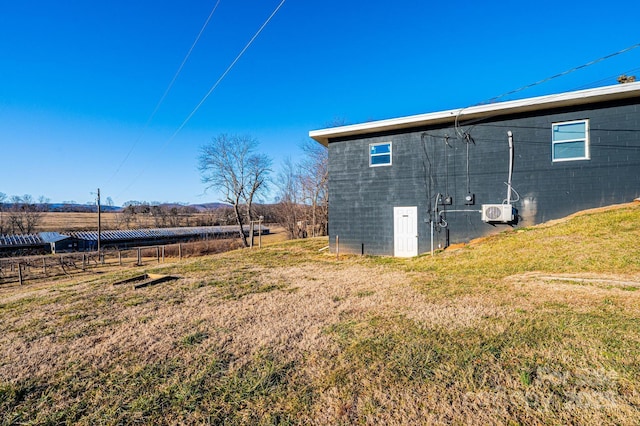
(535, 326)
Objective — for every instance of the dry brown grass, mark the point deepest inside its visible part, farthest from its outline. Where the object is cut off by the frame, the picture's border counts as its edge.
(78, 221)
(81, 221)
(290, 335)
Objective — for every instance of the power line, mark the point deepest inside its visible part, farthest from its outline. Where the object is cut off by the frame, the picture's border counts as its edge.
(528, 86)
(186, 58)
(544, 80)
(224, 74)
(603, 80)
(167, 90)
(215, 85)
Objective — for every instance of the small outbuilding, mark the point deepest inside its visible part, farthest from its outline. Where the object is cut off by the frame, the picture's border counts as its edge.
(59, 243)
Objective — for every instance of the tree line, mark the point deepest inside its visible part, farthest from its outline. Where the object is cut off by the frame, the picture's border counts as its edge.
(21, 214)
(303, 202)
(232, 166)
(162, 215)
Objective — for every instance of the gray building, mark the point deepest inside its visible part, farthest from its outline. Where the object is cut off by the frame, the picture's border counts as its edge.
(59, 243)
(408, 185)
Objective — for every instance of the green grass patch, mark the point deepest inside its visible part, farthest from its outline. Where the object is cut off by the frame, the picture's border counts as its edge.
(265, 390)
(537, 354)
(194, 338)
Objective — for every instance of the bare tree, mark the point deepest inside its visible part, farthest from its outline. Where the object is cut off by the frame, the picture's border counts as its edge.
(230, 165)
(314, 182)
(302, 200)
(289, 208)
(129, 215)
(24, 215)
(43, 203)
(3, 226)
(173, 215)
(222, 215)
(159, 214)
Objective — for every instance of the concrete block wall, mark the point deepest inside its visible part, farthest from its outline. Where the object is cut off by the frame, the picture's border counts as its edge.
(361, 198)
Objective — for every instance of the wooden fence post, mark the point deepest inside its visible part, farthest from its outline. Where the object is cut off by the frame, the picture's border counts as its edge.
(158, 253)
(163, 254)
(119, 257)
(20, 273)
(44, 265)
(139, 257)
(180, 252)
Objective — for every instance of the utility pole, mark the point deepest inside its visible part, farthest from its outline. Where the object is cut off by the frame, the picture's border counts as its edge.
(99, 222)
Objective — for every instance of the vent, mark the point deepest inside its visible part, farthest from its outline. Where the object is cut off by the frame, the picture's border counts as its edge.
(500, 213)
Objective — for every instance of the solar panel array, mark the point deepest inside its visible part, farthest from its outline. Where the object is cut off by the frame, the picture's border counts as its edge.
(125, 235)
(21, 240)
(142, 234)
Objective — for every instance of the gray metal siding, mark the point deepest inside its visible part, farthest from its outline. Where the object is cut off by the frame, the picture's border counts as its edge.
(361, 198)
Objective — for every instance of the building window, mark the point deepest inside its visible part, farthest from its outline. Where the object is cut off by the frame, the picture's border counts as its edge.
(380, 154)
(570, 141)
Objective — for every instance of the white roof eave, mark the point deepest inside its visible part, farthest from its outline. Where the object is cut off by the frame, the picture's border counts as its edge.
(581, 97)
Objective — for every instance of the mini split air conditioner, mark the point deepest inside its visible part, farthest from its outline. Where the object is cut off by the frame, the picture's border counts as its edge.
(500, 213)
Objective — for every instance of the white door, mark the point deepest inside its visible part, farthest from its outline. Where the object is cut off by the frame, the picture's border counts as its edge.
(405, 231)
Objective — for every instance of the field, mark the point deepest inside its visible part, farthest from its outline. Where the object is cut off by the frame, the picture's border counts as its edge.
(76, 221)
(535, 326)
(81, 221)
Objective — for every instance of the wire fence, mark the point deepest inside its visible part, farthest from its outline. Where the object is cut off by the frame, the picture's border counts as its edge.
(29, 268)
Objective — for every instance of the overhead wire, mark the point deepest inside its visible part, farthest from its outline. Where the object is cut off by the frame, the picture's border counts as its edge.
(457, 125)
(166, 92)
(213, 87)
(579, 67)
(605, 79)
(466, 135)
(224, 74)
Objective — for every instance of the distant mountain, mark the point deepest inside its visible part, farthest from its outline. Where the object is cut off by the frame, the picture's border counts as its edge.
(66, 207)
(209, 206)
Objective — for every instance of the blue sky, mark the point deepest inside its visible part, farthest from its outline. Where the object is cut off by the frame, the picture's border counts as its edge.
(79, 80)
